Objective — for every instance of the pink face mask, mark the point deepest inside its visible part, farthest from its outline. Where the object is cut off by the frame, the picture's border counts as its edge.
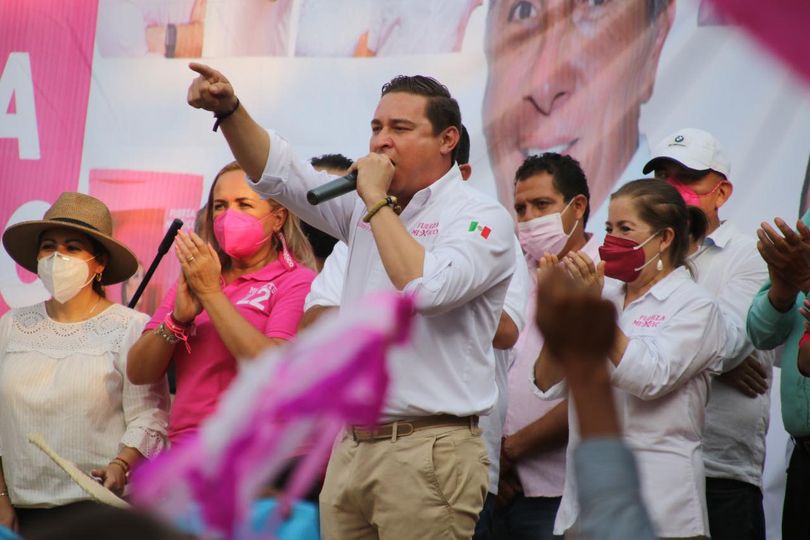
(544, 234)
(240, 235)
(690, 196)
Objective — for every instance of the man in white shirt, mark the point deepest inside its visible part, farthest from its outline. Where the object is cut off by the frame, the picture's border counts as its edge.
(552, 208)
(727, 264)
(423, 471)
(324, 296)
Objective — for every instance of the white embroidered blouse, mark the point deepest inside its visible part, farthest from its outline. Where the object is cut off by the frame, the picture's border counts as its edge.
(67, 381)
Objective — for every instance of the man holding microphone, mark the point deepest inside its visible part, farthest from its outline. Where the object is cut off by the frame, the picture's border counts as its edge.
(414, 227)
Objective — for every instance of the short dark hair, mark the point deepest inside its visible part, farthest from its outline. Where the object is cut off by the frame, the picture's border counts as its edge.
(660, 206)
(463, 147)
(566, 173)
(331, 161)
(442, 110)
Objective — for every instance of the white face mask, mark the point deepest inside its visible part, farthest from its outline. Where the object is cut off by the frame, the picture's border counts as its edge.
(544, 234)
(63, 276)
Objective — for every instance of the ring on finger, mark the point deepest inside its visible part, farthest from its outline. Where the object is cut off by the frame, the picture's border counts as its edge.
(190, 258)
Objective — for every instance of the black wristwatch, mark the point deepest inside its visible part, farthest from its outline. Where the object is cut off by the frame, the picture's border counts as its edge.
(171, 40)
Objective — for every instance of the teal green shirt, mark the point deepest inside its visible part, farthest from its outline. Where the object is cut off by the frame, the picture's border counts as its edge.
(769, 328)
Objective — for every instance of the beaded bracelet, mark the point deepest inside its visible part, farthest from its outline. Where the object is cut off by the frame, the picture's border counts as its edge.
(389, 200)
(163, 332)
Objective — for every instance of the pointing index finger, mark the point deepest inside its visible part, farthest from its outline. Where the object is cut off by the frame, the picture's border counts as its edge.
(207, 72)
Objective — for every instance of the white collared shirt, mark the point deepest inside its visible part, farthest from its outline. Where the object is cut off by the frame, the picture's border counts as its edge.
(469, 246)
(729, 266)
(327, 289)
(676, 336)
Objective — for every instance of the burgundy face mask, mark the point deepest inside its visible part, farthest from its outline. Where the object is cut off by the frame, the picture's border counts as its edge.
(623, 258)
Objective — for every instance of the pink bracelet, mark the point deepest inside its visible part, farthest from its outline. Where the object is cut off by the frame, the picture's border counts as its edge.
(805, 338)
(180, 332)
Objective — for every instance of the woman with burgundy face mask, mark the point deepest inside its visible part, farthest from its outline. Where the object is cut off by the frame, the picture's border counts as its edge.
(63, 367)
(671, 339)
(235, 297)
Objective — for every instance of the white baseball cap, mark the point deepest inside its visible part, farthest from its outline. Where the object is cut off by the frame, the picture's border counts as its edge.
(694, 149)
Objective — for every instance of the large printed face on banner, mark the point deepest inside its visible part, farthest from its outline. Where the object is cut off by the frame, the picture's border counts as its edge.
(570, 77)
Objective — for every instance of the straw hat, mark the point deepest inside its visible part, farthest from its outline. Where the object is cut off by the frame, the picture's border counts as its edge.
(79, 212)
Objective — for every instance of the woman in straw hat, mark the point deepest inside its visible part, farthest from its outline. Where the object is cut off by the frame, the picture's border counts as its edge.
(238, 295)
(63, 366)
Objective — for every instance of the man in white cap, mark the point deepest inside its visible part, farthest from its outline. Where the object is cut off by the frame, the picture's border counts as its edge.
(728, 265)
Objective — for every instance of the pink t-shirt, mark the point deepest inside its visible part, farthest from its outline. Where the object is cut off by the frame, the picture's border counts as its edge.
(272, 300)
(541, 474)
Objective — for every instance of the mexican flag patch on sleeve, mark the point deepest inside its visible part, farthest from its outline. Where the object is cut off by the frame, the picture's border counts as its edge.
(483, 229)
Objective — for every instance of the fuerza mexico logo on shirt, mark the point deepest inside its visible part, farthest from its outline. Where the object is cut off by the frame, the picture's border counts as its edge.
(483, 229)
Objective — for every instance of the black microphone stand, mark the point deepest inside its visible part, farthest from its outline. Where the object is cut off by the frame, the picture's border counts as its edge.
(162, 250)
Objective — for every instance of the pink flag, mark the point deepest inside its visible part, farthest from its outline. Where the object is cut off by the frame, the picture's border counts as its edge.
(334, 374)
(780, 26)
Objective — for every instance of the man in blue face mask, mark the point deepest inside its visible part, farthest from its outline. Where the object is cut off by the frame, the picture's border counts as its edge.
(552, 205)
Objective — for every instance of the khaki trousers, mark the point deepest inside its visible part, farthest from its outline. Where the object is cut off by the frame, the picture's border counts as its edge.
(430, 484)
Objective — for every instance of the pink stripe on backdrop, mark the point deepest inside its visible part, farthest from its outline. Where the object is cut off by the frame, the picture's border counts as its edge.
(781, 26)
(57, 36)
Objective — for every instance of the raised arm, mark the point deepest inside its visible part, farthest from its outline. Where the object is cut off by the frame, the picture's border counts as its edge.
(268, 160)
(249, 142)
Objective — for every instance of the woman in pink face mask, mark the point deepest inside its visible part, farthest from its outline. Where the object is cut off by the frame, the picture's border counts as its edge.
(236, 296)
(671, 338)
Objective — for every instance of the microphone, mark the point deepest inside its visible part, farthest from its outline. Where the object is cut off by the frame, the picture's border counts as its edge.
(165, 244)
(335, 188)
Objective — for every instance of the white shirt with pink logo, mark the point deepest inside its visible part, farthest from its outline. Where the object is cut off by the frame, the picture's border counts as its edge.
(677, 339)
(468, 240)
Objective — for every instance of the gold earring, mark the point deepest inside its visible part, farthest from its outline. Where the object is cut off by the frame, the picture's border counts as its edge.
(98, 276)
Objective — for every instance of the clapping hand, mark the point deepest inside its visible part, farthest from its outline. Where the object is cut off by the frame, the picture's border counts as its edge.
(200, 264)
(575, 324)
(787, 254)
(589, 276)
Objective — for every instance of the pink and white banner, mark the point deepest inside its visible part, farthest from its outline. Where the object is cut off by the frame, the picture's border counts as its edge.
(92, 96)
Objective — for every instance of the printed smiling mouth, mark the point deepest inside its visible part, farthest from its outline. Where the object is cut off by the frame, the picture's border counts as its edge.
(557, 149)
